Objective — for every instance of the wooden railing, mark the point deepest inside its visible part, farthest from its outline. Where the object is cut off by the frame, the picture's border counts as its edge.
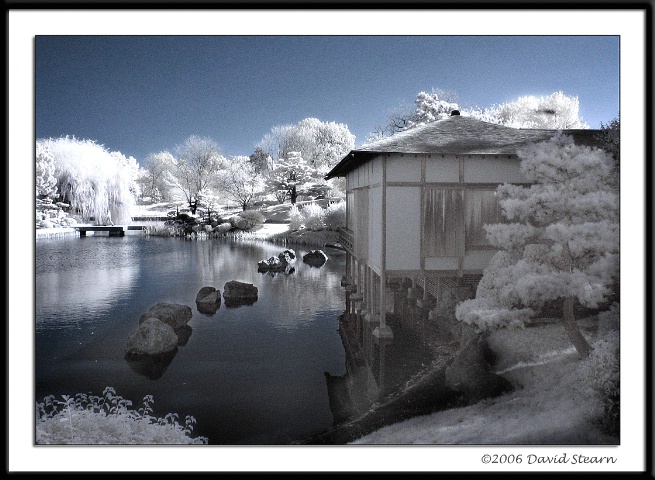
(347, 239)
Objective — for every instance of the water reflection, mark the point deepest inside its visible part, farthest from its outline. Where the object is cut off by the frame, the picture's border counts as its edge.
(183, 334)
(250, 375)
(152, 367)
(88, 292)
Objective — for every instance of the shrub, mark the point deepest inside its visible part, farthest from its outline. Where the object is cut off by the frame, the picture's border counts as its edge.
(313, 216)
(602, 373)
(296, 219)
(169, 229)
(248, 219)
(335, 216)
(108, 419)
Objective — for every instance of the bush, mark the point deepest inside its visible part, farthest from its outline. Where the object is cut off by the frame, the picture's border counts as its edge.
(335, 216)
(602, 373)
(108, 419)
(296, 219)
(314, 217)
(248, 219)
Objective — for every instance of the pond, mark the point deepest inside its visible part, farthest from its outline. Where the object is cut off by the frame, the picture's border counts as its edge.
(250, 375)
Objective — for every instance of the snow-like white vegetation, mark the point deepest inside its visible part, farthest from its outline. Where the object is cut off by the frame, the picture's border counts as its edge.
(93, 181)
(312, 216)
(108, 419)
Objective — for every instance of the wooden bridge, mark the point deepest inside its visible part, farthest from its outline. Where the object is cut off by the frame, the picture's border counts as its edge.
(113, 230)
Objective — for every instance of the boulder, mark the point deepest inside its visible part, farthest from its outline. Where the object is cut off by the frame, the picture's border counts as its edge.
(170, 313)
(237, 293)
(152, 337)
(208, 295)
(208, 300)
(280, 263)
(470, 372)
(315, 258)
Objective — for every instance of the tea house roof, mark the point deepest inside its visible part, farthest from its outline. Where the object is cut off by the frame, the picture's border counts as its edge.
(458, 135)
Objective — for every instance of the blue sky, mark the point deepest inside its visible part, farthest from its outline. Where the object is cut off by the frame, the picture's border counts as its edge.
(140, 94)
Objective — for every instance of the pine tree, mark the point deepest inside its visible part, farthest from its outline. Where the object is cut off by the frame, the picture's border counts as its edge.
(560, 242)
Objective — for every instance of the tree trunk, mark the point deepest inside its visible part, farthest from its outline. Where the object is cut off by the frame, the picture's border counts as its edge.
(576, 337)
(293, 195)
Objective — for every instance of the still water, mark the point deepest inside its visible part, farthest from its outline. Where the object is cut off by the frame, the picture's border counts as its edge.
(253, 374)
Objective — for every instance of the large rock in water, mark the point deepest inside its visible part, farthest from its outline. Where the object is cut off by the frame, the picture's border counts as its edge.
(470, 371)
(208, 295)
(208, 300)
(315, 258)
(239, 293)
(152, 337)
(170, 313)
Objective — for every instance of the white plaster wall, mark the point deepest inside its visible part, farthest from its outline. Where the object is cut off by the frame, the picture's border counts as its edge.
(439, 169)
(403, 228)
(441, 263)
(406, 168)
(488, 169)
(477, 259)
(376, 171)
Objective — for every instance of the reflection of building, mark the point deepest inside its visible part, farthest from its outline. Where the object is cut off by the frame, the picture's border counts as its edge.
(416, 205)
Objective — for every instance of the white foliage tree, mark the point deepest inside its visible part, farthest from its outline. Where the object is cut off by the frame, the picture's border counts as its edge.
(239, 180)
(321, 144)
(294, 176)
(560, 243)
(153, 176)
(46, 182)
(262, 162)
(430, 107)
(198, 160)
(556, 111)
(95, 182)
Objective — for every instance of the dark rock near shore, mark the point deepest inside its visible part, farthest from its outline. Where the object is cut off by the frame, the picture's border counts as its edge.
(427, 394)
(470, 371)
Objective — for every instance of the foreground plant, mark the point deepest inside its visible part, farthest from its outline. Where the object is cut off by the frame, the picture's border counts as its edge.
(108, 419)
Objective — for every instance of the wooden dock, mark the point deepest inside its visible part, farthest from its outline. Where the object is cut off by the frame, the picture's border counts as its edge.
(113, 230)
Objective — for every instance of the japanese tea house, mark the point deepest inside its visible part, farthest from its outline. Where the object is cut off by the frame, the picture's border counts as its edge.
(417, 202)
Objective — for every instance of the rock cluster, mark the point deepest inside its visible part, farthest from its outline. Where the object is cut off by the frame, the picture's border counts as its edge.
(283, 262)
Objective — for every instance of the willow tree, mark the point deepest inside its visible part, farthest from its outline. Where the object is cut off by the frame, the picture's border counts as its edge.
(95, 182)
(560, 244)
